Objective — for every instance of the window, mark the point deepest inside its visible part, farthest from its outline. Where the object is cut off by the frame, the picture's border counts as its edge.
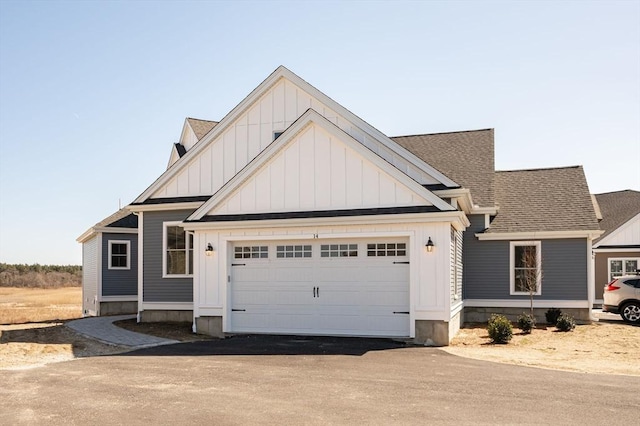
(387, 249)
(253, 252)
(526, 271)
(178, 251)
(276, 135)
(119, 254)
(293, 251)
(623, 266)
(339, 250)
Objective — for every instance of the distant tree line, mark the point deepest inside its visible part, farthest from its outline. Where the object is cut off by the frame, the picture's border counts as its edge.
(40, 276)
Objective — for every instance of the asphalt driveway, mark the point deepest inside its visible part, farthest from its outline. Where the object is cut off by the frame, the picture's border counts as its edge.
(293, 380)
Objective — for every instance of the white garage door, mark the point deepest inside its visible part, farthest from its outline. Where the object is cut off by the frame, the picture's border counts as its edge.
(358, 288)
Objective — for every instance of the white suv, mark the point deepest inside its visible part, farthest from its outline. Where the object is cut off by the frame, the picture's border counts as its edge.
(622, 296)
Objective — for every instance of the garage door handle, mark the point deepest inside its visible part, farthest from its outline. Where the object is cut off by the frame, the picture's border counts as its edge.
(400, 263)
(401, 312)
(238, 310)
(314, 292)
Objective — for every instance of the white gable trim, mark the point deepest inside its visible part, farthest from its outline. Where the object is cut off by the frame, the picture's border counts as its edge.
(545, 235)
(163, 206)
(282, 72)
(622, 228)
(306, 119)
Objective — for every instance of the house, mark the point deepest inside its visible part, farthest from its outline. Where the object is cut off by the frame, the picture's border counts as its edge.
(109, 265)
(617, 251)
(292, 215)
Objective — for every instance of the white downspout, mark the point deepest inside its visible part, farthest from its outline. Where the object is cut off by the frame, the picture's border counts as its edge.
(591, 286)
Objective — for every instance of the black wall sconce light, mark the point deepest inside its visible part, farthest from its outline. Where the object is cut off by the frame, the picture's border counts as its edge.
(430, 245)
(209, 250)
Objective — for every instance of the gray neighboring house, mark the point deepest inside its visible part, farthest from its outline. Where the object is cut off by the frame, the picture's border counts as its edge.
(617, 251)
(109, 266)
(294, 216)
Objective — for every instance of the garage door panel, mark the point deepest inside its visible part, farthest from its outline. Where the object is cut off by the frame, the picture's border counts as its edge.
(330, 296)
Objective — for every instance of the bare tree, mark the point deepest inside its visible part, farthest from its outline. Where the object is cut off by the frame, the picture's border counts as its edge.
(529, 272)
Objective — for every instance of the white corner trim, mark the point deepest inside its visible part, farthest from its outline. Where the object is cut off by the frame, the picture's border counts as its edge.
(543, 235)
(140, 263)
(166, 306)
(308, 118)
(525, 303)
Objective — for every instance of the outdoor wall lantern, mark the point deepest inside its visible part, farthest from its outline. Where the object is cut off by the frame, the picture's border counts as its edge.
(210, 250)
(430, 245)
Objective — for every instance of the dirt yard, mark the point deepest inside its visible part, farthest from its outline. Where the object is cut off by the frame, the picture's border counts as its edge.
(608, 347)
(26, 305)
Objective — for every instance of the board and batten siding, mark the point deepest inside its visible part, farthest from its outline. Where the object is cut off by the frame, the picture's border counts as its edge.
(89, 275)
(254, 130)
(487, 275)
(120, 282)
(318, 171)
(157, 288)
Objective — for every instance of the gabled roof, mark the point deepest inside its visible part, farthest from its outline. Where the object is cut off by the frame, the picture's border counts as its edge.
(617, 208)
(280, 73)
(539, 200)
(122, 219)
(201, 127)
(465, 157)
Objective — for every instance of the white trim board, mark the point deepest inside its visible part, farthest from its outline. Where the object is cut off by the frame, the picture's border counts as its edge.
(525, 303)
(166, 306)
(539, 235)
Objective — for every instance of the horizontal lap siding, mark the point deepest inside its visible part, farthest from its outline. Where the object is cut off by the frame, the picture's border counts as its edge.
(486, 267)
(156, 288)
(120, 282)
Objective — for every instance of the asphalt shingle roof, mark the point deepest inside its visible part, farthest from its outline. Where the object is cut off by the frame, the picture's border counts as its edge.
(123, 218)
(466, 157)
(554, 199)
(201, 127)
(617, 208)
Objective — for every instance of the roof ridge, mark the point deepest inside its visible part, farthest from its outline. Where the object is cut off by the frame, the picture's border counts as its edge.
(443, 133)
(540, 168)
(616, 192)
(201, 119)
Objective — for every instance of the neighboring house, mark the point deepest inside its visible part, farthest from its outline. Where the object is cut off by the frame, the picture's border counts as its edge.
(109, 265)
(292, 215)
(617, 251)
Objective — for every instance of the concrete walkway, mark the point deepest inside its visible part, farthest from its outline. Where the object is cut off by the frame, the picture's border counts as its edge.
(102, 329)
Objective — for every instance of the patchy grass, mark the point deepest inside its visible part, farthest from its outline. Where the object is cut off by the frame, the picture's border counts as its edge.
(602, 347)
(24, 305)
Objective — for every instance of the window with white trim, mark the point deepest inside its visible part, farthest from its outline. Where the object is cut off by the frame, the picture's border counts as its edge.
(338, 250)
(623, 266)
(119, 254)
(525, 267)
(178, 251)
(251, 252)
(293, 251)
(386, 249)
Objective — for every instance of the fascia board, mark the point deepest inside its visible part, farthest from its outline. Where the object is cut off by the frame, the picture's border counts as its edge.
(545, 235)
(367, 128)
(456, 217)
(114, 230)
(164, 207)
(618, 230)
(306, 119)
(616, 250)
(86, 235)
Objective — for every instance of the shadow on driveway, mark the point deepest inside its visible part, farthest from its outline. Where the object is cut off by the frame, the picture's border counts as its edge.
(274, 345)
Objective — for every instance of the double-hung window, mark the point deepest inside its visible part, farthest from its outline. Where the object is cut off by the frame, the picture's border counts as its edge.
(623, 266)
(178, 251)
(526, 272)
(119, 254)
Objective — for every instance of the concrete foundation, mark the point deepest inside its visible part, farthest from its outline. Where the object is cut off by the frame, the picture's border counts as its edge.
(437, 333)
(166, 316)
(581, 315)
(211, 326)
(118, 308)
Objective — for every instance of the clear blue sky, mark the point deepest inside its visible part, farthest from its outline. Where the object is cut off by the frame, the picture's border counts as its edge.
(93, 94)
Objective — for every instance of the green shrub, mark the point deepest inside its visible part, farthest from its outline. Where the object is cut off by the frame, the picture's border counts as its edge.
(565, 323)
(552, 315)
(499, 329)
(526, 323)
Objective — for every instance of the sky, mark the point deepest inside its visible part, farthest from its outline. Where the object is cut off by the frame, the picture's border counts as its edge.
(94, 93)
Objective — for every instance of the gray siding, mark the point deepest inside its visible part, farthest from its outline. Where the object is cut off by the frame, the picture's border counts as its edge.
(156, 288)
(486, 272)
(89, 275)
(120, 282)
